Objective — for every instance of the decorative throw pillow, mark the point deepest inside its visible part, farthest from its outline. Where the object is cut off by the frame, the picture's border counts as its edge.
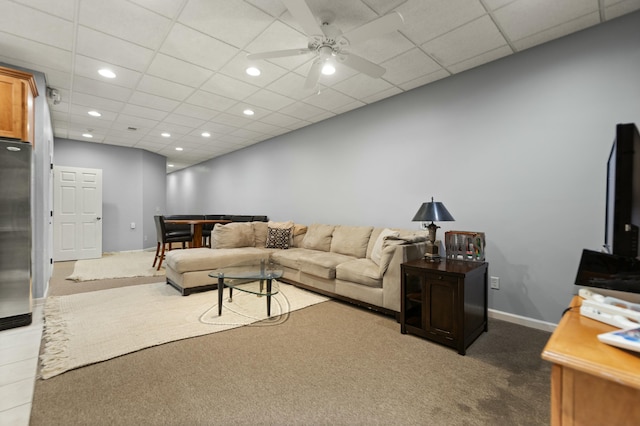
(279, 238)
(376, 253)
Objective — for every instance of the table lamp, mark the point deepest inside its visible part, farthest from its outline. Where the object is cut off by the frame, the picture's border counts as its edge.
(430, 212)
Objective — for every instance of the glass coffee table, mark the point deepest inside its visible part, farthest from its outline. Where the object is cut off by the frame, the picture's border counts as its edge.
(259, 279)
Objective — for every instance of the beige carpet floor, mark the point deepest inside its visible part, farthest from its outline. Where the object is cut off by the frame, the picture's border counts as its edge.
(330, 363)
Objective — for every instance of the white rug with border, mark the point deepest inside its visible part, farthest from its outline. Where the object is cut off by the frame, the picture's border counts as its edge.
(86, 328)
(126, 264)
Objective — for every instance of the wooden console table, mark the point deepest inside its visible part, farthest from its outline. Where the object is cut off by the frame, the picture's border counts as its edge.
(592, 383)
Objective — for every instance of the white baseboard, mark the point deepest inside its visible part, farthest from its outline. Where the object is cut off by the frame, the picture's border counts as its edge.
(527, 322)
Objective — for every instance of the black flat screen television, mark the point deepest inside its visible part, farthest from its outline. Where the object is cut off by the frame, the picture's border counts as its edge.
(609, 271)
(622, 217)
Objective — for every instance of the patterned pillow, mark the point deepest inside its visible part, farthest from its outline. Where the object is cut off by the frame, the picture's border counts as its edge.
(279, 238)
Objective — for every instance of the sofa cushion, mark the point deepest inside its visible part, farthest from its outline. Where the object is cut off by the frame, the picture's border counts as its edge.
(299, 231)
(351, 240)
(232, 235)
(361, 271)
(322, 264)
(260, 233)
(376, 252)
(318, 237)
(199, 259)
(288, 258)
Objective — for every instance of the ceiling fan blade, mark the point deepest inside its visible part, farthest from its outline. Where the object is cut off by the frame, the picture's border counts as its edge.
(376, 28)
(278, 54)
(303, 16)
(314, 74)
(362, 65)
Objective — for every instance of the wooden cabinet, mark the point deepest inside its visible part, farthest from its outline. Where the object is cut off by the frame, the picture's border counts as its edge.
(17, 92)
(445, 302)
(592, 383)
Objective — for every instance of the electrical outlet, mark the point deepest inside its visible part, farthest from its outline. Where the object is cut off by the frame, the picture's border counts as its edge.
(424, 225)
(495, 283)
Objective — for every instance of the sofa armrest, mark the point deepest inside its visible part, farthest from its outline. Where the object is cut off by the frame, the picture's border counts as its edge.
(392, 277)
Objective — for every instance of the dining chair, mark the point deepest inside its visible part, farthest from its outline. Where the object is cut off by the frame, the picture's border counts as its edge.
(167, 238)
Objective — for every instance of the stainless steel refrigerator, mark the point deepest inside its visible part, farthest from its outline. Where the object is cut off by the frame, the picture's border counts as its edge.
(15, 233)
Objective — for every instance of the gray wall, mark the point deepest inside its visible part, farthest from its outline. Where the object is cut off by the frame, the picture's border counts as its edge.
(133, 187)
(516, 148)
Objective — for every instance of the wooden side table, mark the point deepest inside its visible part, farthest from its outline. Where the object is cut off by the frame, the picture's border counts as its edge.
(445, 302)
(592, 383)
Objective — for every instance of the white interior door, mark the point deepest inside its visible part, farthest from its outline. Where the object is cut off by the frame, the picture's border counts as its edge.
(77, 213)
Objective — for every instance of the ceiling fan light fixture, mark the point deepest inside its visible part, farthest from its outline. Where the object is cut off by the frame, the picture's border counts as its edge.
(328, 68)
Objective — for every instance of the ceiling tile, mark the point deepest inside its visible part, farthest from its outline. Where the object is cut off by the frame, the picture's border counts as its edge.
(158, 102)
(166, 89)
(225, 20)
(523, 18)
(427, 19)
(96, 102)
(361, 86)
(329, 99)
(168, 8)
(483, 58)
(61, 9)
(125, 121)
(382, 7)
(465, 42)
(184, 120)
(35, 25)
(302, 110)
(380, 49)
(172, 69)
(101, 89)
(409, 66)
(557, 31)
(269, 100)
(196, 111)
(238, 65)
(382, 95)
(13, 49)
(193, 46)
(112, 49)
(223, 85)
(291, 85)
(138, 111)
(88, 67)
(125, 20)
(211, 101)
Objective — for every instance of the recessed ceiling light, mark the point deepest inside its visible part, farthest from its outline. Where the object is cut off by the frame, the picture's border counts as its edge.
(253, 71)
(165, 135)
(248, 112)
(94, 113)
(178, 148)
(105, 72)
(87, 135)
(206, 134)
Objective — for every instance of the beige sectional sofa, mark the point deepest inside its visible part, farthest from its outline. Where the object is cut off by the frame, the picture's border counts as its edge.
(359, 264)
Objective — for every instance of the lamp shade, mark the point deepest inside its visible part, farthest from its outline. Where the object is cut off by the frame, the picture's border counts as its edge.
(433, 211)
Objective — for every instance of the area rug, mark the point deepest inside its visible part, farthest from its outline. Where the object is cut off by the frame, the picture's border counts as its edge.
(116, 265)
(86, 328)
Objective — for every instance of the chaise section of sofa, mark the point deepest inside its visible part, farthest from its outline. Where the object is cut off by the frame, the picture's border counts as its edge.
(358, 264)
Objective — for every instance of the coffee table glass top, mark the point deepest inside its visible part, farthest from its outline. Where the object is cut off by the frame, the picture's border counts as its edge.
(249, 278)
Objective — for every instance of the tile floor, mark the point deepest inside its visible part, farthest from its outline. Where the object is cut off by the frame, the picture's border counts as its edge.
(19, 349)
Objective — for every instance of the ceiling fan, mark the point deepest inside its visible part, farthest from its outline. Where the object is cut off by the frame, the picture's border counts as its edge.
(329, 44)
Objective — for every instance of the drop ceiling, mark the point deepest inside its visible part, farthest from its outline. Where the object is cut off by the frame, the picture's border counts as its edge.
(180, 64)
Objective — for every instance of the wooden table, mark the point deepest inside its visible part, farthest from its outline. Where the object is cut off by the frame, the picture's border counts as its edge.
(592, 383)
(197, 227)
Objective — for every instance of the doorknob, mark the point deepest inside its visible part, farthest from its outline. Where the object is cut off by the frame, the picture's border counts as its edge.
(98, 218)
